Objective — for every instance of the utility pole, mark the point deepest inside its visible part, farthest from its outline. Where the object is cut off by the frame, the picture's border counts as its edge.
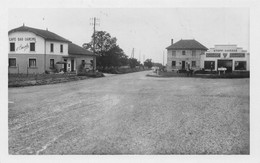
(133, 53)
(163, 58)
(140, 56)
(94, 23)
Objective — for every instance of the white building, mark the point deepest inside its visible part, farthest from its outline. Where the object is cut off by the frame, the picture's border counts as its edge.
(184, 54)
(231, 57)
(34, 50)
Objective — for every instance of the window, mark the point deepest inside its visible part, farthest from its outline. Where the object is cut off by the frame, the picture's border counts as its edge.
(193, 63)
(51, 63)
(193, 52)
(61, 48)
(240, 65)
(32, 46)
(12, 62)
(183, 52)
(12, 46)
(51, 47)
(32, 62)
(174, 53)
(209, 65)
(173, 63)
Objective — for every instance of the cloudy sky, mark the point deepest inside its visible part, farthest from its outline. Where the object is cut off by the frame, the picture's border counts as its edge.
(148, 30)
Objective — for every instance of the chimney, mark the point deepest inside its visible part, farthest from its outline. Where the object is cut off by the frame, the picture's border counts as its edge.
(171, 41)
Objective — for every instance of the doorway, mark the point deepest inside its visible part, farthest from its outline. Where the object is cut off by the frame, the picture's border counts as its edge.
(225, 63)
(72, 65)
(65, 65)
(183, 65)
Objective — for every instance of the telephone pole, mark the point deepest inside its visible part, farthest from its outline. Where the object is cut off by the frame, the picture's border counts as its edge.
(163, 58)
(133, 53)
(94, 23)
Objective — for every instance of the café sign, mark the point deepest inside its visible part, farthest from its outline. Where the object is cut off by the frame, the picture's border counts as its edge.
(31, 39)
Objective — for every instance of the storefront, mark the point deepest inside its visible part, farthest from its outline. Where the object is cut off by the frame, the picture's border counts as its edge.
(230, 57)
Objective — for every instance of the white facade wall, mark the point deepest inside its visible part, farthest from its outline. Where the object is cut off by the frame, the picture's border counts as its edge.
(179, 58)
(56, 48)
(22, 42)
(42, 53)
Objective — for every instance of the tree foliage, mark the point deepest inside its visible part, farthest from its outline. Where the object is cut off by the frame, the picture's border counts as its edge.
(148, 63)
(109, 54)
(133, 62)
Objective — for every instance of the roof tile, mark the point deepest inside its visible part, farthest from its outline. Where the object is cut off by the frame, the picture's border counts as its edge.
(187, 44)
(77, 50)
(43, 33)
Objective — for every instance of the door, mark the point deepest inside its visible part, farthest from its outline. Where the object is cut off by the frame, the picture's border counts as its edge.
(65, 65)
(225, 63)
(183, 65)
(72, 65)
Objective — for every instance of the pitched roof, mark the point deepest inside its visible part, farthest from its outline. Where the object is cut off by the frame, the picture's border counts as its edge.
(77, 50)
(187, 44)
(43, 33)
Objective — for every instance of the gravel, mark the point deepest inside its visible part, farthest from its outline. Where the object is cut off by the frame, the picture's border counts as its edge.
(131, 114)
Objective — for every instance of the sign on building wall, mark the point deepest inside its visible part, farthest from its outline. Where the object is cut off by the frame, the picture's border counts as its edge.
(21, 43)
(212, 54)
(237, 55)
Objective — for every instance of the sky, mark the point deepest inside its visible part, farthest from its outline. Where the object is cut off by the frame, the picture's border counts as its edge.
(146, 30)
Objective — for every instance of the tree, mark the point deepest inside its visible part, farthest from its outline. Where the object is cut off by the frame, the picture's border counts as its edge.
(157, 65)
(148, 63)
(103, 43)
(133, 62)
(109, 54)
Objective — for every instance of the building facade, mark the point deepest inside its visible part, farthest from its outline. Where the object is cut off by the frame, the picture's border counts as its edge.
(184, 54)
(231, 57)
(34, 50)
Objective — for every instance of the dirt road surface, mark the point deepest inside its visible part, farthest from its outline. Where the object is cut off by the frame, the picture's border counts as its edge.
(131, 114)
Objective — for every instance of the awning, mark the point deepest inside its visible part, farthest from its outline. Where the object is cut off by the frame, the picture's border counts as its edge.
(61, 62)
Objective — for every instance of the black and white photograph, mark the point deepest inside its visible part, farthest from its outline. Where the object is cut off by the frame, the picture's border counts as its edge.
(129, 81)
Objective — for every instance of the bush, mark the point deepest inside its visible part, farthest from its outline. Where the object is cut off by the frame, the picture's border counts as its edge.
(91, 74)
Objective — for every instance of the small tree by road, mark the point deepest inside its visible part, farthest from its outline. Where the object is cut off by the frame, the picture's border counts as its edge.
(148, 63)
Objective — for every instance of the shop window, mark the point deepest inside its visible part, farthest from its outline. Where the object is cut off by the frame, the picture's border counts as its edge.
(51, 63)
(12, 62)
(240, 65)
(193, 53)
(209, 65)
(183, 52)
(173, 63)
(174, 53)
(32, 62)
(32, 46)
(193, 63)
(52, 47)
(61, 48)
(12, 46)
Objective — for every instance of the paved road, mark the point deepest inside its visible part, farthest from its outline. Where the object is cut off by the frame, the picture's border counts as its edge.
(131, 114)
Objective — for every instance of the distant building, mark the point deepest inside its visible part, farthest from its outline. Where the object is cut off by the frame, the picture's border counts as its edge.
(231, 57)
(184, 53)
(34, 50)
